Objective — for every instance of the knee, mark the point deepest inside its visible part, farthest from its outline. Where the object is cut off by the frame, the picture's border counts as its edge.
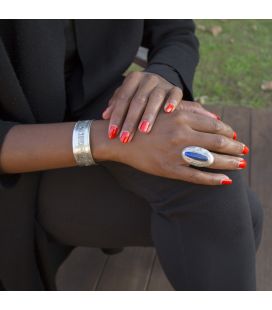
(257, 214)
(222, 209)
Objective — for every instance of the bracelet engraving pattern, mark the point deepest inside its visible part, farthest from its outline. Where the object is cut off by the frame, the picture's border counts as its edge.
(81, 143)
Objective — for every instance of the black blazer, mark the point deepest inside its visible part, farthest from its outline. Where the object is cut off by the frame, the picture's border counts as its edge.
(32, 90)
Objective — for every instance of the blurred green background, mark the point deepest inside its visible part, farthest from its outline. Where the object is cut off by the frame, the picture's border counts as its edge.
(235, 62)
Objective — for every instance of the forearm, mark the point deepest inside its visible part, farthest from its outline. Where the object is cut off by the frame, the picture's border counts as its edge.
(29, 148)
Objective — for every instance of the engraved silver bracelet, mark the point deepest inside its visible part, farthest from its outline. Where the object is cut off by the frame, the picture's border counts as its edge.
(81, 143)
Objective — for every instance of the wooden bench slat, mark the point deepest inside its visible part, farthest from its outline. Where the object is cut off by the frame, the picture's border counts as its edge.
(128, 270)
(261, 150)
(239, 118)
(158, 280)
(82, 270)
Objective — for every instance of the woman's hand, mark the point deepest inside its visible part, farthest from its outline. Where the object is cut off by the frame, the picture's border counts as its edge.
(159, 153)
(137, 102)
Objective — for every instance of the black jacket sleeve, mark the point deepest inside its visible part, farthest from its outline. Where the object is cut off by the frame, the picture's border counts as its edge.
(6, 180)
(173, 51)
(7, 94)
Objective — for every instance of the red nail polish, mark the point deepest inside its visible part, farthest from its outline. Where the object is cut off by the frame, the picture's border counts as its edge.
(226, 181)
(242, 164)
(234, 135)
(143, 127)
(124, 136)
(169, 108)
(245, 150)
(113, 131)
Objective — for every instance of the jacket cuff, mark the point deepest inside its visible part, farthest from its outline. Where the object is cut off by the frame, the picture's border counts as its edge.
(172, 76)
(6, 180)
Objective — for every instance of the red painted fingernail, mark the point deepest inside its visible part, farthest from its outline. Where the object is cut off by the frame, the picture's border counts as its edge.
(124, 136)
(169, 108)
(226, 181)
(113, 131)
(242, 164)
(245, 150)
(234, 135)
(143, 127)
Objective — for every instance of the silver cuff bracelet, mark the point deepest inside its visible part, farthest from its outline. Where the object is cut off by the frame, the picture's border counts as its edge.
(81, 143)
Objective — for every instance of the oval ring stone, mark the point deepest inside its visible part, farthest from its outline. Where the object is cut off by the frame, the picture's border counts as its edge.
(197, 156)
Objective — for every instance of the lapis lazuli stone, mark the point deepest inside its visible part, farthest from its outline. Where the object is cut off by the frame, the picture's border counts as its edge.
(196, 156)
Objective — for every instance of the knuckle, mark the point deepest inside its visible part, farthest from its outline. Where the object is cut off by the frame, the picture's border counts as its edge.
(135, 74)
(152, 78)
(140, 99)
(177, 90)
(194, 176)
(181, 117)
(219, 142)
(158, 94)
(122, 96)
(176, 137)
(216, 126)
(213, 181)
(196, 105)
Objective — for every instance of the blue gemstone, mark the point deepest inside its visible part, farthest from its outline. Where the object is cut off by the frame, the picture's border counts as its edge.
(196, 156)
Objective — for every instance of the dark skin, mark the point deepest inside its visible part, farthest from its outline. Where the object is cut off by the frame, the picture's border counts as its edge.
(138, 101)
(30, 148)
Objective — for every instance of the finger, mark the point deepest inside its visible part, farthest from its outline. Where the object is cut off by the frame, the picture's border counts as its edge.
(120, 101)
(137, 107)
(174, 98)
(152, 109)
(193, 175)
(205, 123)
(227, 162)
(107, 113)
(196, 107)
(218, 143)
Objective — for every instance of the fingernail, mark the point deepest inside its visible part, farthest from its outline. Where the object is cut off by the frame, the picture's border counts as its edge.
(234, 135)
(113, 131)
(245, 150)
(124, 136)
(143, 127)
(169, 107)
(242, 164)
(226, 181)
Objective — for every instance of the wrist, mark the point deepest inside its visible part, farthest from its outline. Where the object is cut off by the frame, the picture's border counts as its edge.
(102, 148)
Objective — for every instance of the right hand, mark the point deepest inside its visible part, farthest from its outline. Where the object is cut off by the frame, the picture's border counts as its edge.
(159, 152)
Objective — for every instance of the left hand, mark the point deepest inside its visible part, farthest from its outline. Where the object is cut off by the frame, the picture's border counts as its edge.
(137, 102)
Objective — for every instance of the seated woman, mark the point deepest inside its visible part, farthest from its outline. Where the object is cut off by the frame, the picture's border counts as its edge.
(145, 189)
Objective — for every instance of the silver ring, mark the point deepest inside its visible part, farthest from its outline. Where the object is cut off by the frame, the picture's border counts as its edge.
(197, 156)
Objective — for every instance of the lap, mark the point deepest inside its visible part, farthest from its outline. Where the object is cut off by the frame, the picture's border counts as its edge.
(111, 205)
(87, 207)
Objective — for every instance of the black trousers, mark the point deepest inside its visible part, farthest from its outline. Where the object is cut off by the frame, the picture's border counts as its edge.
(206, 237)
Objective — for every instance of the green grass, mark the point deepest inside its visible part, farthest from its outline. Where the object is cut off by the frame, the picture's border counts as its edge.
(234, 64)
